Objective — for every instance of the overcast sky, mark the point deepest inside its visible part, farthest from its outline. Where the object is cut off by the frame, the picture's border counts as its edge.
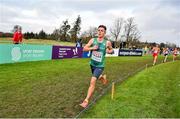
(158, 20)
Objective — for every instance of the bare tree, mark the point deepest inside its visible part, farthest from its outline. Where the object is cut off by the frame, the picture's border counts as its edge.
(88, 34)
(171, 45)
(130, 30)
(92, 32)
(135, 36)
(116, 29)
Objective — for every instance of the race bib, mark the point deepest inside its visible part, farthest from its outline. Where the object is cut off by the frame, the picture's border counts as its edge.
(97, 56)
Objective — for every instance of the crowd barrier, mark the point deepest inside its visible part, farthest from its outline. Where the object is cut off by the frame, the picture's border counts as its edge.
(60, 52)
(10, 53)
(129, 52)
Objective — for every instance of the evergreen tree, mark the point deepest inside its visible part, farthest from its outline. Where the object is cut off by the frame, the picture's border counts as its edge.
(42, 34)
(76, 29)
(64, 31)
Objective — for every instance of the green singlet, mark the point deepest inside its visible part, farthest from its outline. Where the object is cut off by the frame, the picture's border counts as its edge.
(98, 56)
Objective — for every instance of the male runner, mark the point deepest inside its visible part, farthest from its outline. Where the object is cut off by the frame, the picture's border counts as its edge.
(99, 47)
(155, 51)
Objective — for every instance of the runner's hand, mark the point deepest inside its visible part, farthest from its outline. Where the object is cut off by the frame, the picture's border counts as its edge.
(95, 47)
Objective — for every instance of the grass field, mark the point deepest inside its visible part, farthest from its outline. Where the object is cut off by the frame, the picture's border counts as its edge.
(152, 93)
(55, 88)
(38, 41)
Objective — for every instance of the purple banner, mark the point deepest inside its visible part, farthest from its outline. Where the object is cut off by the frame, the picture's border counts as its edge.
(60, 52)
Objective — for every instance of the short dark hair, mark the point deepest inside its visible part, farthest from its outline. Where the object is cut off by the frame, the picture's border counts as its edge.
(102, 27)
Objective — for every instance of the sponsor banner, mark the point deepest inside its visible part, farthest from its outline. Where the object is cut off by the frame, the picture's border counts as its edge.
(10, 53)
(60, 52)
(124, 52)
(115, 54)
(86, 54)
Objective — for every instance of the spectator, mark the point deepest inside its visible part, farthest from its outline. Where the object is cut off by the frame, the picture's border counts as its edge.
(17, 37)
(20, 36)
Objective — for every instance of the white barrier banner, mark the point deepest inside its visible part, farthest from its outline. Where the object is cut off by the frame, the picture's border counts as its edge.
(115, 54)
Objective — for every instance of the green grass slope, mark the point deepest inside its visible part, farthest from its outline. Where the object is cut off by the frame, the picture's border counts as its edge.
(38, 42)
(55, 88)
(154, 92)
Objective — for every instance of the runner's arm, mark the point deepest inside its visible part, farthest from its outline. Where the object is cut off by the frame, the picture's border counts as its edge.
(109, 48)
(152, 51)
(88, 47)
(159, 50)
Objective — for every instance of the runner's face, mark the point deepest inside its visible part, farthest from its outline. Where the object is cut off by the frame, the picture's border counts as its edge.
(101, 32)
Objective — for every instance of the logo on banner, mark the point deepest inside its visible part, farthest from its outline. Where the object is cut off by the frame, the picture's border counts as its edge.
(89, 54)
(16, 54)
(75, 51)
